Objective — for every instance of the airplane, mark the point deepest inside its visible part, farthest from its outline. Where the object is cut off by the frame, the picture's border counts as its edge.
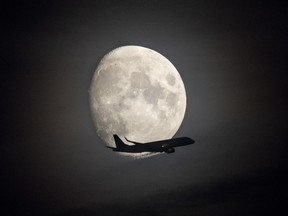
(167, 146)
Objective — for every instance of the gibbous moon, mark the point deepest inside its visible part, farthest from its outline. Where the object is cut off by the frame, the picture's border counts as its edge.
(136, 93)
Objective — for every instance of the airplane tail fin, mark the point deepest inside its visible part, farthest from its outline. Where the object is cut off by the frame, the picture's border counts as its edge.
(119, 143)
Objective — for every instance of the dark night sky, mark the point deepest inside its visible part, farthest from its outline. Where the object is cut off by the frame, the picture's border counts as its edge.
(232, 57)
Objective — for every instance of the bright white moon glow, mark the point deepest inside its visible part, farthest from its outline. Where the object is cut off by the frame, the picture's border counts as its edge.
(137, 93)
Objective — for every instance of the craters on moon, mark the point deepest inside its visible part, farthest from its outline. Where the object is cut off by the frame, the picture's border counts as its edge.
(170, 79)
(137, 93)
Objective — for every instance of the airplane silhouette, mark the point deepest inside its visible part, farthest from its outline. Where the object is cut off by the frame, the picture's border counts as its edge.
(167, 146)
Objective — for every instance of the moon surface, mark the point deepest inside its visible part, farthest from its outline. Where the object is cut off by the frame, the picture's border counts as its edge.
(136, 93)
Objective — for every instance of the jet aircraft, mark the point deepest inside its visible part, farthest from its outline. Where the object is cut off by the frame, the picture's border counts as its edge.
(167, 146)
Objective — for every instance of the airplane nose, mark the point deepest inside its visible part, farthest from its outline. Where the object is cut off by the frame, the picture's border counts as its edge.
(189, 141)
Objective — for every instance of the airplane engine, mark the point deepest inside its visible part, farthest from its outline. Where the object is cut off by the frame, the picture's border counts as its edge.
(169, 150)
(166, 148)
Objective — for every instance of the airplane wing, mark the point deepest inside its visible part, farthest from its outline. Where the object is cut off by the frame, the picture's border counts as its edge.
(136, 143)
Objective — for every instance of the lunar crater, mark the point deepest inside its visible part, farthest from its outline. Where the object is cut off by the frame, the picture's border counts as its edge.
(140, 80)
(170, 79)
(153, 94)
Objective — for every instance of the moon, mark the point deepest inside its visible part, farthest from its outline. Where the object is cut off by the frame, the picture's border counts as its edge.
(136, 93)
